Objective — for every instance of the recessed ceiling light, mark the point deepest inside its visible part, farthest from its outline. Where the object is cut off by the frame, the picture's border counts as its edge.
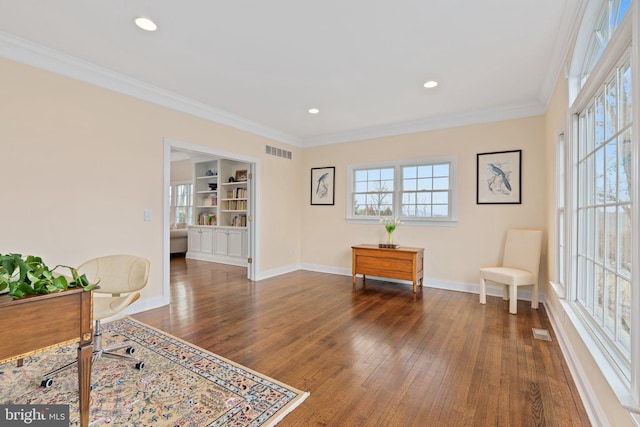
(146, 24)
(431, 84)
(313, 111)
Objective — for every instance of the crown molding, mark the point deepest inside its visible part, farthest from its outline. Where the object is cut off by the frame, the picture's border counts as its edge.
(29, 53)
(429, 124)
(569, 26)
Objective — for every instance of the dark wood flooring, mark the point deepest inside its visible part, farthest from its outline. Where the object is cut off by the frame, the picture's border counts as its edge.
(377, 356)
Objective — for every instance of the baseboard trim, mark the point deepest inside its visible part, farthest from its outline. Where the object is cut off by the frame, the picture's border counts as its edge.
(277, 271)
(591, 405)
(472, 288)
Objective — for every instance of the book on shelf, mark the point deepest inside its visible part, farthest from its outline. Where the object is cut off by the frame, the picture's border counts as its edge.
(237, 205)
(207, 219)
(239, 220)
(210, 201)
(240, 193)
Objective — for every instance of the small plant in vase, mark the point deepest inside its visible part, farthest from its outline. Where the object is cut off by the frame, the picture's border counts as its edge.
(390, 225)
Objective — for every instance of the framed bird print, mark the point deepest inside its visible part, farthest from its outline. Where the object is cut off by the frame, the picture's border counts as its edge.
(323, 185)
(499, 177)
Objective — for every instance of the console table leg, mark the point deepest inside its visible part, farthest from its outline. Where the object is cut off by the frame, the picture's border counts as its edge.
(84, 379)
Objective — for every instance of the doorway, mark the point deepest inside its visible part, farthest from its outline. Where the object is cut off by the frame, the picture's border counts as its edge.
(197, 154)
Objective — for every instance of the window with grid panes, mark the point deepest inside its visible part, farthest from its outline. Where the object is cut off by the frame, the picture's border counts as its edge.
(420, 191)
(181, 199)
(604, 207)
(373, 192)
(425, 191)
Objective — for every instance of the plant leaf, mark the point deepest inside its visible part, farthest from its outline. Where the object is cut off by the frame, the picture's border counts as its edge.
(61, 282)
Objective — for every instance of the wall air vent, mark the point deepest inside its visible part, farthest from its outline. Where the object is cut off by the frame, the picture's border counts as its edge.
(278, 152)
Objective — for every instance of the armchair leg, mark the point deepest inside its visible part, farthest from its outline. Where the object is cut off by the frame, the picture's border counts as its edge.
(483, 291)
(534, 297)
(513, 299)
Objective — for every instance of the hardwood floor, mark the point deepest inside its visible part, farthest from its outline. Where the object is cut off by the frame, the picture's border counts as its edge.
(376, 356)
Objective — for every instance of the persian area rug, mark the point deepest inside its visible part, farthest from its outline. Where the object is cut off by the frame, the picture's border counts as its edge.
(180, 384)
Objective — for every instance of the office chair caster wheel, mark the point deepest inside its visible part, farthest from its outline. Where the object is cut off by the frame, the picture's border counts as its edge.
(130, 350)
(46, 383)
(140, 366)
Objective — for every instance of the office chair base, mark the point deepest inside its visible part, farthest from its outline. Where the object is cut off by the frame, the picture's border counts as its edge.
(139, 365)
(98, 353)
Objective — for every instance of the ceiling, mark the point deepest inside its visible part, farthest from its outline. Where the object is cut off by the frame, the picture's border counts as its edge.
(260, 65)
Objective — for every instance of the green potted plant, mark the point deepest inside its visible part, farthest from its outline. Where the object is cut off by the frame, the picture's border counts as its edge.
(29, 275)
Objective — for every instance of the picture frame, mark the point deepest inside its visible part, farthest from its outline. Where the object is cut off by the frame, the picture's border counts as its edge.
(241, 175)
(323, 185)
(499, 177)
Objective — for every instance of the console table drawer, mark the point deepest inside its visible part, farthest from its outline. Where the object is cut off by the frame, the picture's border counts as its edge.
(389, 264)
(401, 263)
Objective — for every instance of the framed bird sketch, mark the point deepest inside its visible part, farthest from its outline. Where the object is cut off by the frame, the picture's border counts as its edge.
(499, 177)
(323, 185)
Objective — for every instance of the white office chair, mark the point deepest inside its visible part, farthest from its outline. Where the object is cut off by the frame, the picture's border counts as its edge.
(520, 266)
(120, 277)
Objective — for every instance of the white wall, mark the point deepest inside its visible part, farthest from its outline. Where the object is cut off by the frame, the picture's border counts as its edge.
(80, 164)
(453, 255)
(182, 171)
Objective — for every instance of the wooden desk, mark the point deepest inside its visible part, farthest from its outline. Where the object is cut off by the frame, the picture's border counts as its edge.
(401, 263)
(37, 322)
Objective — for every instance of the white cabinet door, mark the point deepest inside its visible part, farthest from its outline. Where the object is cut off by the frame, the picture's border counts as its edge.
(200, 240)
(220, 236)
(194, 240)
(230, 242)
(206, 242)
(235, 243)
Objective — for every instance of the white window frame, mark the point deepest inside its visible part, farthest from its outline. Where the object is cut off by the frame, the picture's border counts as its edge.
(626, 386)
(397, 191)
(562, 249)
(172, 202)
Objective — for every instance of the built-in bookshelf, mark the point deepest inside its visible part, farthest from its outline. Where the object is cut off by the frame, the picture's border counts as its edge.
(221, 206)
(233, 210)
(206, 193)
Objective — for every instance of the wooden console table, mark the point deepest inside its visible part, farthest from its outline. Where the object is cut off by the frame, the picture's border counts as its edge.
(401, 263)
(24, 331)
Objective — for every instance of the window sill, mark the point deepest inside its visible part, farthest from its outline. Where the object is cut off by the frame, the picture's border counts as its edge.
(409, 222)
(609, 371)
(558, 289)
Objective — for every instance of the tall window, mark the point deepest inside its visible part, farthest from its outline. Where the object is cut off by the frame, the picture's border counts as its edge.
(604, 211)
(608, 21)
(414, 191)
(181, 197)
(600, 227)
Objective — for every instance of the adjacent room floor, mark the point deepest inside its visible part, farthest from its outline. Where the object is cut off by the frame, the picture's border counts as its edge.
(377, 356)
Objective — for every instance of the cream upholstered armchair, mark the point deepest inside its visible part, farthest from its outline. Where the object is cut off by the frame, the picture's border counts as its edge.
(520, 266)
(120, 278)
